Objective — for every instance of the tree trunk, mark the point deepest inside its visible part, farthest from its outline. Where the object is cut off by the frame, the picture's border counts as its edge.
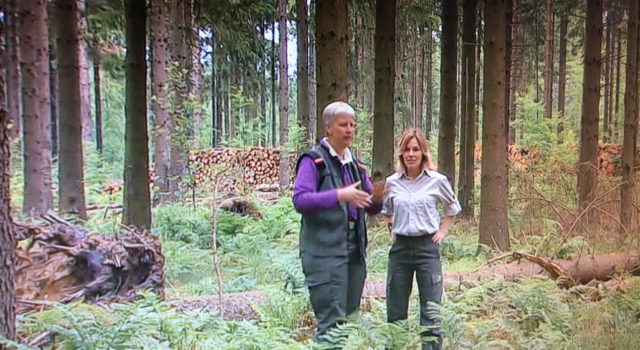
(7, 234)
(216, 122)
(607, 77)
(313, 87)
(421, 69)
(85, 73)
(36, 115)
(562, 71)
(588, 161)
(162, 122)
(137, 206)
(179, 115)
(466, 179)
(448, 86)
(548, 61)
(479, 60)
(283, 177)
(70, 161)
(12, 67)
(514, 57)
(383, 117)
(429, 117)
(508, 73)
(331, 52)
(494, 224)
(195, 69)
(97, 92)
(274, 80)
(581, 270)
(303, 67)
(616, 115)
(53, 83)
(627, 190)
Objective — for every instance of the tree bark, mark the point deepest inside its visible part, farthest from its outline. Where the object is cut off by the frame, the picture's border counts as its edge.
(494, 224)
(7, 232)
(383, 117)
(421, 69)
(616, 116)
(313, 87)
(283, 177)
(562, 71)
(588, 161)
(303, 67)
(179, 115)
(627, 189)
(332, 46)
(216, 120)
(85, 73)
(97, 95)
(137, 206)
(429, 117)
(514, 57)
(70, 161)
(12, 69)
(36, 115)
(607, 76)
(162, 121)
(274, 81)
(508, 76)
(448, 86)
(466, 179)
(548, 61)
(53, 82)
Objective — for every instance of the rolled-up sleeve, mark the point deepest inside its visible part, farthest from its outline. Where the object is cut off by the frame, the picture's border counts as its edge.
(305, 195)
(387, 202)
(449, 199)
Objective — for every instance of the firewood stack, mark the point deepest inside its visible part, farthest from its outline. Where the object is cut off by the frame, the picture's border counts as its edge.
(254, 167)
(65, 263)
(610, 158)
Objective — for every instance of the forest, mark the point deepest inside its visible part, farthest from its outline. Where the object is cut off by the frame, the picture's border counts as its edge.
(147, 152)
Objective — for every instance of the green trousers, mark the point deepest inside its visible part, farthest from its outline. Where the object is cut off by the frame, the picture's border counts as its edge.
(335, 285)
(419, 256)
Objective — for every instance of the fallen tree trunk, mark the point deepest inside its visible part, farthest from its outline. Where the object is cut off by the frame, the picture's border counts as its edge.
(581, 270)
(64, 263)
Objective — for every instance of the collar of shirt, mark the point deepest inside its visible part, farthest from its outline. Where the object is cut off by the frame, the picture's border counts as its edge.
(348, 158)
(424, 171)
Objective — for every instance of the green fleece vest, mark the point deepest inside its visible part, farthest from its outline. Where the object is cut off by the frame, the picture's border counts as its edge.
(324, 232)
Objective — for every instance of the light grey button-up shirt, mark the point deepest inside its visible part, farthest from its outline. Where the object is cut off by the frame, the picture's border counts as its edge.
(413, 203)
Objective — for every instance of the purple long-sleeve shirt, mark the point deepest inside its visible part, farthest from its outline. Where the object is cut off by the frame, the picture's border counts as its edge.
(306, 198)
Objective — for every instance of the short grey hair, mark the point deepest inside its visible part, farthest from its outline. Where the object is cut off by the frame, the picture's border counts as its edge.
(334, 108)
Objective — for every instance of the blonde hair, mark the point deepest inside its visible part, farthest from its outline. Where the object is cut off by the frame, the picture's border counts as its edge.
(408, 135)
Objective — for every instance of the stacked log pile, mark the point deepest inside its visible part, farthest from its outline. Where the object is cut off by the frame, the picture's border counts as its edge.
(65, 263)
(252, 167)
(610, 159)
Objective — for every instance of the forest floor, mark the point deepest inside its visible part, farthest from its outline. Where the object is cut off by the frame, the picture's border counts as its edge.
(267, 305)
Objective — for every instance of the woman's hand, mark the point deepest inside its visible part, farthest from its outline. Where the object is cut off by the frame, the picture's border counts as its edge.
(439, 236)
(444, 228)
(352, 195)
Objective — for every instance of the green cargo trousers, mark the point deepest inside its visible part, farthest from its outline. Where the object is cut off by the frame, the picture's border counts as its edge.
(419, 255)
(335, 285)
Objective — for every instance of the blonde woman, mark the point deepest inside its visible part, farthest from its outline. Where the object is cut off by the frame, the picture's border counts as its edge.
(410, 207)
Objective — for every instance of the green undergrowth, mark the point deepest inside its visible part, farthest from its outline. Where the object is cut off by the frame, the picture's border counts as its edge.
(261, 255)
(495, 314)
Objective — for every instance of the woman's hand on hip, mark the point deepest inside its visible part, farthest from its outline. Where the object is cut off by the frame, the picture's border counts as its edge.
(439, 236)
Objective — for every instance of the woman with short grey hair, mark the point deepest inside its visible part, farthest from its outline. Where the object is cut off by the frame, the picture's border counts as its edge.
(332, 192)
